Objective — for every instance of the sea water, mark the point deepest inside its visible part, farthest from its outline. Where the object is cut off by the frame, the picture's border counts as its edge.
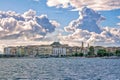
(59, 69)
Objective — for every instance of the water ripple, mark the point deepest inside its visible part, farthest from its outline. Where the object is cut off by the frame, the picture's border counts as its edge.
(60, 69)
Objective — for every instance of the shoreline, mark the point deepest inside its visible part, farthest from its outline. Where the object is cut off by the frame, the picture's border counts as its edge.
(38, 57)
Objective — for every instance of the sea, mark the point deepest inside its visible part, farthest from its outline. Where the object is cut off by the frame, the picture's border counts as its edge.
(72, 68)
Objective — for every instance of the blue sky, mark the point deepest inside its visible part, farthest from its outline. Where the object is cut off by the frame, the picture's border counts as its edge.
(41, 8)
(55, 13)
(111, 17)
(67, 13)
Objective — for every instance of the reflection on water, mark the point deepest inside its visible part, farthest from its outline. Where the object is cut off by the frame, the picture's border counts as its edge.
(60, 69)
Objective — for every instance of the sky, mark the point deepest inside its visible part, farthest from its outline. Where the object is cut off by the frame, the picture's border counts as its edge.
(25, 22)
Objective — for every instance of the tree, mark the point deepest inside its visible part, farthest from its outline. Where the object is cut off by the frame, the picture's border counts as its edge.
(91, 51)
(81, 54)
(101, 52)
(117, 52)
(75, 54)
(78, 54)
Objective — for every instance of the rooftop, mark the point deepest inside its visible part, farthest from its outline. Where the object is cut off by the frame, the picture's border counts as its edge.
(56, 44)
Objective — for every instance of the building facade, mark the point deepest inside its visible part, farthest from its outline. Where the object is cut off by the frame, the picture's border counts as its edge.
(55, 49)
(44, 50)
(10, 50)
(58, 49)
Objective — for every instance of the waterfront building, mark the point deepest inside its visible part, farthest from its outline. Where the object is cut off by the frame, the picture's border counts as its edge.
(58, 49)
(31, 50)
(7, 50)
(44, 50)
(111, 49)
(73, 50)
(10, 50)
(20, 50)
(55, 49)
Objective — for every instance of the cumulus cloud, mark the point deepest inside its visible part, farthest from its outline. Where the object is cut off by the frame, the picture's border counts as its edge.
(78, 4)
(53, 22)
(58, 3)
(27, 25)
(108, 37)
(29, 14)
(88, 20)
(86, 29)
(119, 22)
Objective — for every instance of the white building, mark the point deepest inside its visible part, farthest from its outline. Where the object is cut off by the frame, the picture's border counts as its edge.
(58, 49)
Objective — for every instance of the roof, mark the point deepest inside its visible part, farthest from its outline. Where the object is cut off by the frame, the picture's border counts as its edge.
(56, 44)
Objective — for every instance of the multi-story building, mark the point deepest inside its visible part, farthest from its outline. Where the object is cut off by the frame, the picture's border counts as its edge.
(31, 49)
(44, 50)
(10, 50)
(73, 50)
(112, 49)
(55, 49)
(58, 49)
(20, 50)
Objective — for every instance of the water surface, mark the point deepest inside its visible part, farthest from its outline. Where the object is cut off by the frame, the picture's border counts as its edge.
(59, 69)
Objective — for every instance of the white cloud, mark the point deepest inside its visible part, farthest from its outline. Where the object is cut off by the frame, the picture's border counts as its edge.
(87, 29)
(78, 4)
(88, 20)
(119, 17)
(29, 14)
(27, 26)
(58, 3)
(55, 23)
(108, 37)
(1, 29)
(119, 22)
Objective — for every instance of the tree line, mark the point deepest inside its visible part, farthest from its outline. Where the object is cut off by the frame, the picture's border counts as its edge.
(100, 53)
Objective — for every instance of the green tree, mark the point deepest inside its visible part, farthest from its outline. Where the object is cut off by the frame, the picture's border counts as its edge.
(81, 54)
(117, 52)
(111, 54)
(76, 54)
(101, 53)
(91, 51)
